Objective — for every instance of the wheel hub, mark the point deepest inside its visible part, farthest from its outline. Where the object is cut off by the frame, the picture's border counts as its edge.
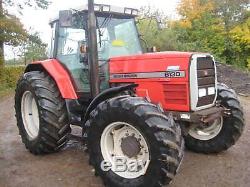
(130, 146)
(207, 131)
(120, 139)
(30, 115)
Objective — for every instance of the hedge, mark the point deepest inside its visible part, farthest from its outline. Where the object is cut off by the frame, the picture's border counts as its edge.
(9, 76)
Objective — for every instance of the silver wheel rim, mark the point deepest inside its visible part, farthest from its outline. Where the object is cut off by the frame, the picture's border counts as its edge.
(207, 133)
(30, 115)
(111, 139)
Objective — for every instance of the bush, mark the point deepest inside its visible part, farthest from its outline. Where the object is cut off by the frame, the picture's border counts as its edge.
(9, 76)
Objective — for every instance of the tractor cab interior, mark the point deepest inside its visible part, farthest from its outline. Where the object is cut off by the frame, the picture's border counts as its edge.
(117, 35)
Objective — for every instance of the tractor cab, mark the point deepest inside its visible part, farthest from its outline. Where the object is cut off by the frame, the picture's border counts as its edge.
(117, 35)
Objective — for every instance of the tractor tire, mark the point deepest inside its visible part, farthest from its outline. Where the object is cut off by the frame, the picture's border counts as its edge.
(162, 136)
(41, 113)
(231, 125)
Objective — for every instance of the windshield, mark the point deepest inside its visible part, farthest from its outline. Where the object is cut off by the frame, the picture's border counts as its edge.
(117, 37)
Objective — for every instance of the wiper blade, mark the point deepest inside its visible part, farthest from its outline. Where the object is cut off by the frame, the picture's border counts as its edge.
(104, 24)
(99, 32)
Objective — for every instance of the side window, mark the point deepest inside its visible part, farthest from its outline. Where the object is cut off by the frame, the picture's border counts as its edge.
(70, 37)
(69, 42)
(52, 43)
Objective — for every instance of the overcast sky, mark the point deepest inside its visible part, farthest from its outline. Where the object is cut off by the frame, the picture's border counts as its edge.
(38, 19)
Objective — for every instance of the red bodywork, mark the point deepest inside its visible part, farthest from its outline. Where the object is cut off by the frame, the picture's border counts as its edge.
(61, 77)
(171, 93)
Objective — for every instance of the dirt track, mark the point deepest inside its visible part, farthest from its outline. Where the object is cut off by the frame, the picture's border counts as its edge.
(70, 167)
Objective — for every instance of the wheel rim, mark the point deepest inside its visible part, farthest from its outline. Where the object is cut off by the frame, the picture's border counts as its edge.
(30, 115)
(116, 141)
(208, 132)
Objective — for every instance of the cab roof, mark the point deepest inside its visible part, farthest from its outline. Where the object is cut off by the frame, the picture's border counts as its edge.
(104, 9)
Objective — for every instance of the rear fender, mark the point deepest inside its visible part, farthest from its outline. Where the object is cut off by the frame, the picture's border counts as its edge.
(58, 73)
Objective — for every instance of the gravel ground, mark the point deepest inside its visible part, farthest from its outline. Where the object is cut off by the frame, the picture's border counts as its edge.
(234, 78)
(19, 168)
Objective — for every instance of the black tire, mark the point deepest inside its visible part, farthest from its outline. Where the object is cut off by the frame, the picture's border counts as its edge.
(53, 122)
(161, 133)
(232, 127)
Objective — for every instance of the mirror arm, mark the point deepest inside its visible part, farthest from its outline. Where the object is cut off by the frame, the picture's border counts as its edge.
(144, 41)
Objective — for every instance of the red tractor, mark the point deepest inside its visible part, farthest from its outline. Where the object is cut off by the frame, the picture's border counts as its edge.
(135, 109)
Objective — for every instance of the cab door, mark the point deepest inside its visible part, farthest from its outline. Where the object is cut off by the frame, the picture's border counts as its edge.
(69, 42)
(67, 49)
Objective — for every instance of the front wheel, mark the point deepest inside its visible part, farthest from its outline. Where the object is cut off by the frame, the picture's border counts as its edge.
(223, 132)
(132, 143)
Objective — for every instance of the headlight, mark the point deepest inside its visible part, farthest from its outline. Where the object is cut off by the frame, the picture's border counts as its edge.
(211, 90)
(202, 92)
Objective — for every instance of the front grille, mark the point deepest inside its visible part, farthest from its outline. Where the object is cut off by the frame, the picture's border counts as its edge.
(175, 94)
(206, 78)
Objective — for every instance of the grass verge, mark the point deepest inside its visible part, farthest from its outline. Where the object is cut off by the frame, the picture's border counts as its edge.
(8, 78)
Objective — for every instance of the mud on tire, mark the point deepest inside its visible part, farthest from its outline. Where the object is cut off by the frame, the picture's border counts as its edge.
(232, 126)
(161, 133)
(53, 122)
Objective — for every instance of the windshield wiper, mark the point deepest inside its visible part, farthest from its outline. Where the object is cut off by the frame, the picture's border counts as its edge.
(104, 24)
(99, 32)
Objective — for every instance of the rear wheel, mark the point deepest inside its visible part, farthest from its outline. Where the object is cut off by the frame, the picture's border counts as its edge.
(132, 129)
(41, 113)
(223, 132)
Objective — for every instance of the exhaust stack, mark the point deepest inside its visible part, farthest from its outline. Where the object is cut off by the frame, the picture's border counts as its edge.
(92, 51)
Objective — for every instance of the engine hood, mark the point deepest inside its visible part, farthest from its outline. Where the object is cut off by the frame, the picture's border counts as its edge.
(151, 62)
(158, 55)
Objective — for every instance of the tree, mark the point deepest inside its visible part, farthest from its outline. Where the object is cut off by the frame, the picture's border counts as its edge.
(11, 29)
(206, 25)
(34, 49)
(150, 30)
(199, 29)
(231, 12)
(240, 35)
(205, 35)
(191, 10)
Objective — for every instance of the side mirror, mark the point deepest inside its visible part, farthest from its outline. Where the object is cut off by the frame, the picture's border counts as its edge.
(83, 51)
(65, 18)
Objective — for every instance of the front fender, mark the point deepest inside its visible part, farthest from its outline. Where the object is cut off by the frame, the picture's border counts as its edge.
(106, 94)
